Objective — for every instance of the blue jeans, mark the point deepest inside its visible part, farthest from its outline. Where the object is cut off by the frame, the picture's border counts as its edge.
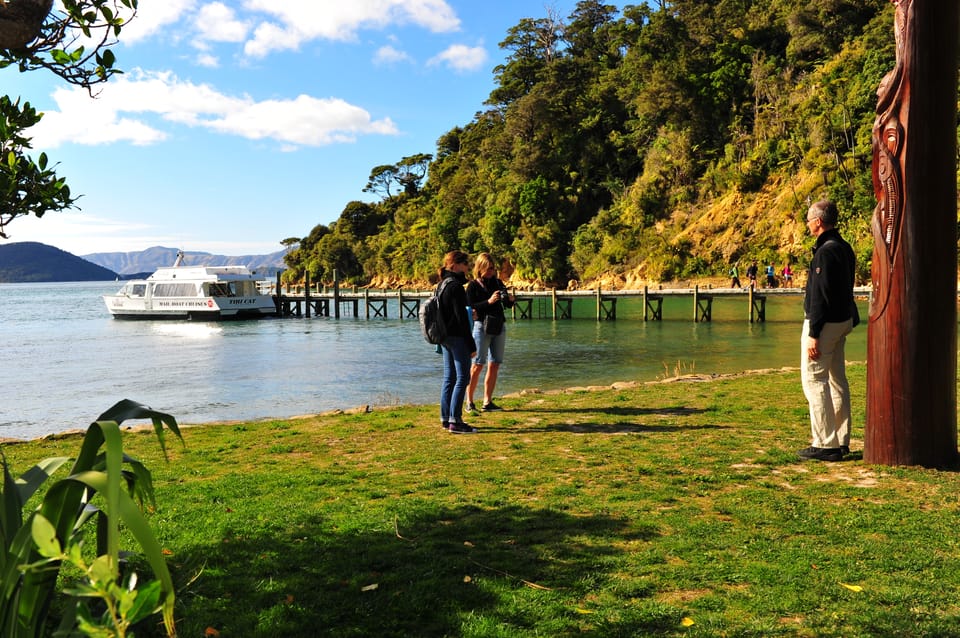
(456, 377)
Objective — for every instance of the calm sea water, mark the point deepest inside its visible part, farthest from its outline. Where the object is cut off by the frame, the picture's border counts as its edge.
(67, 360)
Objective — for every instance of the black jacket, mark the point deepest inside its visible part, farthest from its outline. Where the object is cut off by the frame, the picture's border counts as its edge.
(453, 308)
(829, 294)
(479, 291)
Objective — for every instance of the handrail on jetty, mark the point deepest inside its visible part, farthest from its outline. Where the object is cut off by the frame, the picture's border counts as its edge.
(552, 304)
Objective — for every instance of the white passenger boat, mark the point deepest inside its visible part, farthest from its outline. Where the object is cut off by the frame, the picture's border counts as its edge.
(204, 293)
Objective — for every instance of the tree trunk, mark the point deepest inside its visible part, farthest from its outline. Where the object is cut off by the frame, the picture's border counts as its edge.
(912, 332)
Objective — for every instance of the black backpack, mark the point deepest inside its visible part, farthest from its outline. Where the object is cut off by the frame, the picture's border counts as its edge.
(432, 325)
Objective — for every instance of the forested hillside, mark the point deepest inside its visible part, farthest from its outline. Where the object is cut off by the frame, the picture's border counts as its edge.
(637, 144)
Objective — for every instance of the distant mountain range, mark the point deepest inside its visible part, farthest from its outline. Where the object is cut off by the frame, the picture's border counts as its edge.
(26, 262)
(147, 261)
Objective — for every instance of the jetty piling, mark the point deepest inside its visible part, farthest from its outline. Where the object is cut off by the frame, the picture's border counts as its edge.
(606, 307)
(652, 306)
(758, 306)
(702, 306)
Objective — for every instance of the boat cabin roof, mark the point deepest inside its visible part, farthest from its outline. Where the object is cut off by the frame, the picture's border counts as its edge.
(202, 273)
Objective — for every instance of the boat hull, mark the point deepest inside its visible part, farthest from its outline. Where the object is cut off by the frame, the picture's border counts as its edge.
(209, 309)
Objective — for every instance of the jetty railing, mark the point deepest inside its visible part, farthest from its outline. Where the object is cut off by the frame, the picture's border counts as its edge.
(302, 301)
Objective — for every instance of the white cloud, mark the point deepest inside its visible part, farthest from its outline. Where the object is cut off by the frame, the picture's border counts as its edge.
(387, 55)
(305, 120)
(268, 26)
(297, 21)
(268, 37)
(152, 16)
(208, 61)
(461, 57)
(217, 22)
(128, 108)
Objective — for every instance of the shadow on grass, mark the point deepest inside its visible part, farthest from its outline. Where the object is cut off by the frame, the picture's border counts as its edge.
(615, 411)
(626, 425)
(623, 427)
(512, 569)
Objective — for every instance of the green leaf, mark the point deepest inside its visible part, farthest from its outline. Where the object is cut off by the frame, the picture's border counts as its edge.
(102, 570)
(146, 603)
(31, 480)
(45, 536)
(135, 522)
(60, 56)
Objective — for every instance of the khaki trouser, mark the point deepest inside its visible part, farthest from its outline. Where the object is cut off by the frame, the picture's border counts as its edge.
(825, 385)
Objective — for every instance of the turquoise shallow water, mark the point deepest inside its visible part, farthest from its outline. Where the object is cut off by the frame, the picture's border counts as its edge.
(67, 360)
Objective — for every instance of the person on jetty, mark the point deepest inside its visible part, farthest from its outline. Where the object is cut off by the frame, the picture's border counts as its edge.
(752, 274)
(735, 277)
(830, 314)
(488, 297)
(459, 347)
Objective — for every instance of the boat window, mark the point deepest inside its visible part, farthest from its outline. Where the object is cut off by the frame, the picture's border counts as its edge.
(218, 289)
(136, 290)
(246, 288)
(175, 290)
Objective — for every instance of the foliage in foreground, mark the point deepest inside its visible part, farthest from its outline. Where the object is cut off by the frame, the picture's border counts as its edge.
(671, 509)
(72, 40)
(39, 539)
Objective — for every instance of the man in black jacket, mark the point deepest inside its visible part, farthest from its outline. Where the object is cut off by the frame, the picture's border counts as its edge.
(830, 314)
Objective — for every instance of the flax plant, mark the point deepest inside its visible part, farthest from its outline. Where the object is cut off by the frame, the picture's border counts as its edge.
(36, 543)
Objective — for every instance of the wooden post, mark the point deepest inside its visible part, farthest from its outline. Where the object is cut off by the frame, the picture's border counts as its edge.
(306, 293)
(645, 303)
(278, 297)
(912, 332)
(598, 303)
(696, 294)
(336, 295)
(553, 298)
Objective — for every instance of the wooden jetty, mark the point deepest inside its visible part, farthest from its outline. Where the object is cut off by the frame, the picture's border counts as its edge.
(552, 304)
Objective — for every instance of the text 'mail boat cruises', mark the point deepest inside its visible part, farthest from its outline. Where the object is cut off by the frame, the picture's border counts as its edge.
(204, 293)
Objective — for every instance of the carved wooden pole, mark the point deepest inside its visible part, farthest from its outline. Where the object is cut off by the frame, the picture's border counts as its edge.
(912, 332)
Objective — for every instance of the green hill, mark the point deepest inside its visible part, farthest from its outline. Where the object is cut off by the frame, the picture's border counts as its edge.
(637, 143)
(25, 262)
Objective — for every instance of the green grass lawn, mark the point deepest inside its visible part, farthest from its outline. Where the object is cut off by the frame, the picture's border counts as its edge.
(669, 509)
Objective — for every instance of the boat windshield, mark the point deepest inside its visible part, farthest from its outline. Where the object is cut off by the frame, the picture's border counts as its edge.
(135, 290)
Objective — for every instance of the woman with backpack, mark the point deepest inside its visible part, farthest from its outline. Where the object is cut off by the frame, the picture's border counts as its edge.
(458, 347)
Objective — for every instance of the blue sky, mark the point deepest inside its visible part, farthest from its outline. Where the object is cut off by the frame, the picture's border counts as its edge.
(240, 123)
